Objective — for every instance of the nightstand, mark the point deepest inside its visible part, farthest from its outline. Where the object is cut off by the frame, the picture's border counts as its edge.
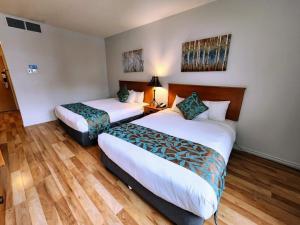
(151, 109)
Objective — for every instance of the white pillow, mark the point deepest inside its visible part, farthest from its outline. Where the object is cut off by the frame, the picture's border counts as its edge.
(176, 101)
(139, 97)
(217, 110)
(132, 96)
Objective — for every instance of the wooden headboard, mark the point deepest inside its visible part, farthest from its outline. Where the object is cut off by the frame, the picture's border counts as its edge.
(139, 86)
(211, 93)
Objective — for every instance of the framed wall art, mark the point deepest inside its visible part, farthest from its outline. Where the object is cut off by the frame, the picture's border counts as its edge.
(210, 54)
(133, 61)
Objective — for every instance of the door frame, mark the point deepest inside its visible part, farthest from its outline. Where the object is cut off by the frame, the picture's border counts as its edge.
(8, 76)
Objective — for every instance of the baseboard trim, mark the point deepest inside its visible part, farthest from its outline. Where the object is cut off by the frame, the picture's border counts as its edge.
(267, 156)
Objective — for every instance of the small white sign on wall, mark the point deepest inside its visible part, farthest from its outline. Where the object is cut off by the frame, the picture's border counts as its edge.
(32, 68)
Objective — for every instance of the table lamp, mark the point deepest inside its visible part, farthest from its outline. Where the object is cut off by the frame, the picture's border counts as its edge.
(154, 82)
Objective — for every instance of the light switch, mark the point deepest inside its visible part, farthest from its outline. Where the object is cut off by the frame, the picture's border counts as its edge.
(32, 68)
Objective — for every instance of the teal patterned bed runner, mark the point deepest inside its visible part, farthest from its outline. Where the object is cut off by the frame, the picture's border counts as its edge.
(202, 160)
(98, 120)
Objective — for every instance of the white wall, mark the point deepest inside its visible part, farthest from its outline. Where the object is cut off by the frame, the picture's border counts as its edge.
(264, 57)
(72, 67)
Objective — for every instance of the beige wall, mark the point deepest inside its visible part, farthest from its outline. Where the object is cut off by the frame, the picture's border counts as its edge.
(264, 57)
(72, 67)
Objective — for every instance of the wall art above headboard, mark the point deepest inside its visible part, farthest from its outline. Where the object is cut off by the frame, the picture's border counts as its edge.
(133, 61)
(210, 54)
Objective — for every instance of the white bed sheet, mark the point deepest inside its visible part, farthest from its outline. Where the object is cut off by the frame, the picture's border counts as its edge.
(115, 109)
(165, 179)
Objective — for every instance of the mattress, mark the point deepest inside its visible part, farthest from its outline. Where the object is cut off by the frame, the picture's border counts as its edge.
(116, 110)
(165, 179)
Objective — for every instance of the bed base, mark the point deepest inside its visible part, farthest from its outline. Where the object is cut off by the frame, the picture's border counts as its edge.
(83, 138)
(173, 213)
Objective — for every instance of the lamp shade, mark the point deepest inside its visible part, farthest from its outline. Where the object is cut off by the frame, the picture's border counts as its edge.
(154, 82)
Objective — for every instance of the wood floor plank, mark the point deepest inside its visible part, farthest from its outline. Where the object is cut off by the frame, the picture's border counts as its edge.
(22, 214)
(62, 151)
(13, 161)
(10, 217)
(52, 189)
(26, 174)
(36, 212)
(259, 203)
(77, 210)
(63, 188)
(258, 215)
(229, 216)
(108, 215)
(70, 201)
(53, 180)
(2, 162)
(2, 217)
(67, 214)
(126, 219)
(18, 188)
(48, 201)
(112, 203)
(89, 207)
(3, 137)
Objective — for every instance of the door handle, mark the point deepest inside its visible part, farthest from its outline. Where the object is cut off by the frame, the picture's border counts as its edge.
(4, 79)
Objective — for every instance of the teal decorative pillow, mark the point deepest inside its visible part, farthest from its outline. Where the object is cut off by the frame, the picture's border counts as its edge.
(192, 106)
(123, 94)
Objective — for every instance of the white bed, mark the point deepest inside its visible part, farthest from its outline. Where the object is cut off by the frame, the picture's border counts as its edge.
(116, 110)
(165, 179)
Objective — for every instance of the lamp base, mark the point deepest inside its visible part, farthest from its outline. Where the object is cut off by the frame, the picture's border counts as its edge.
(154, 103)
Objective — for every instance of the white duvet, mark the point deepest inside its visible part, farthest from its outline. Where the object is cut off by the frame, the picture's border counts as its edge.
(116, 110)
(165, 179)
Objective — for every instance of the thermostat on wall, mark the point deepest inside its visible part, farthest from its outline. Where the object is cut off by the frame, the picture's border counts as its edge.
(32, 69)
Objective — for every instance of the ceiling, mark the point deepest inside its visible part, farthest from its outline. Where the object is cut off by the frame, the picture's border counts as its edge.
(102, 18)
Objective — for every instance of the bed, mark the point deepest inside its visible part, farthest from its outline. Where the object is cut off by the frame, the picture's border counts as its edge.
(77, 127)
(181, 195)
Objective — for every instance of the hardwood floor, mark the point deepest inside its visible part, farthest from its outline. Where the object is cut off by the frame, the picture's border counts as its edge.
(50, 179)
